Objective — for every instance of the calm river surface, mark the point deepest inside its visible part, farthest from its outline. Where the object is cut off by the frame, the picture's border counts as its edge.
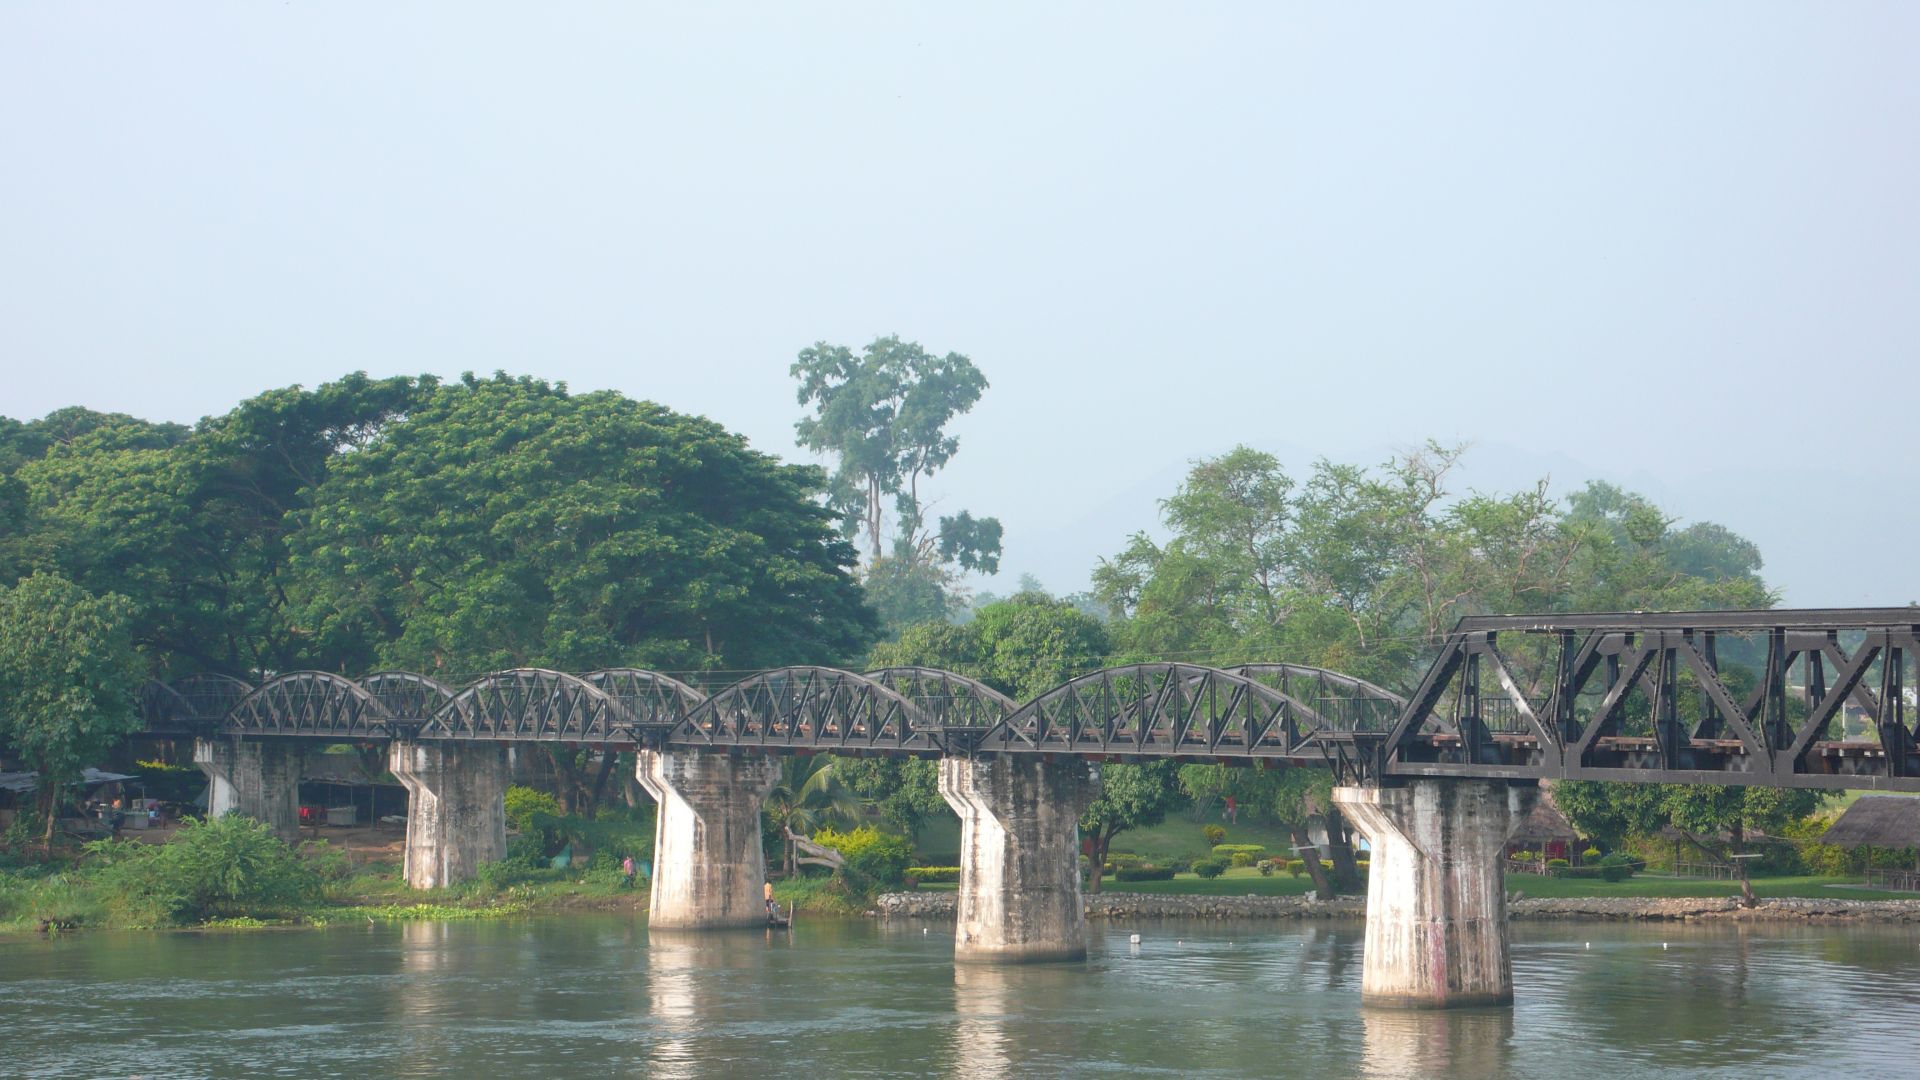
(593, 996)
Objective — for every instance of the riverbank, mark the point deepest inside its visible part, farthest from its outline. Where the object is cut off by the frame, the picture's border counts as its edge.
(1118, 905)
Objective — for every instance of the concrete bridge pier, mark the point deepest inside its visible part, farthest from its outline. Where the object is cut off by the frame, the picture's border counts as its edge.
(258, 778)
(456, 808)
(708, 866)
(1436, 898)
(1019, 856)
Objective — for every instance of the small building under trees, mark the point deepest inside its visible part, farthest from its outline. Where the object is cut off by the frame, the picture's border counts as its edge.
(1883, 823)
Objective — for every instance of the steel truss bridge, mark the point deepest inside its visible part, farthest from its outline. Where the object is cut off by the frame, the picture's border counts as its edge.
(1807, 698)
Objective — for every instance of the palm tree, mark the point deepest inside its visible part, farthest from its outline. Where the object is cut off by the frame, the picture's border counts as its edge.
(810, 795)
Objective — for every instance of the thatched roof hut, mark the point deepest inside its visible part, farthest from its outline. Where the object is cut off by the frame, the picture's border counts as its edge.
(1544, 826)
(1881, 821)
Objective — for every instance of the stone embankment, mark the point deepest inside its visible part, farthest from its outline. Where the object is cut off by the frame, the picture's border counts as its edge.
(1119, 905)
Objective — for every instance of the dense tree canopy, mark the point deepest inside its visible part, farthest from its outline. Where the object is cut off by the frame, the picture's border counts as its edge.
(1364, 570)
(505, 522)
(68, 674)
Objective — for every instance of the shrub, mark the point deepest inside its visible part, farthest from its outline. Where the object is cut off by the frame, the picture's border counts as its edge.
(524, 802)
(1590, 854)
(1266, 867)
(1228, 851)
(1214, 834)
(1178, 864)
(1210, 868)
(1143, 872)
(511, 871)
(228, 866)
(872, 858)
(1617, 866)
(933, 875)
(1124, 858)
(1241, 858)
(1558, 868)
(1296, 867)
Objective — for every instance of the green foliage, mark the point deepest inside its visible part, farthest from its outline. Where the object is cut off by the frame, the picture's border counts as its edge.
(523, 803)
(1611, 812)
(505, 522)
(1616, 866)
(1214, 834)
(1266, 867)
(67, 677)
(228, 866)
(883, 415)
(1210, 868)
(495, 876)
(873, 859)
(905, 790)
(1131, 797)
(1144, 873)
(1230, 850)
(1022, 647)
(809, 797)
(933, 875)
(1354, 568)
(1590, 853)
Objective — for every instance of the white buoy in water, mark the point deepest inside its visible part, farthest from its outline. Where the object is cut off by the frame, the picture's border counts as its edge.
(1589, 944)
(1134, 940)
(1663, 946)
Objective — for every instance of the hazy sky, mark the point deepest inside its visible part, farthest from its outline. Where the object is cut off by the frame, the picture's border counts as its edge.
(1676, 246)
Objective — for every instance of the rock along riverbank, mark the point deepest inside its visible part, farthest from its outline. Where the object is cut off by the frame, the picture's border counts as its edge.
(1118, 905)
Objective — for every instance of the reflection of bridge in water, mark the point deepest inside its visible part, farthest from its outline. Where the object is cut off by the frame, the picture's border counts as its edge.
(1820, 698)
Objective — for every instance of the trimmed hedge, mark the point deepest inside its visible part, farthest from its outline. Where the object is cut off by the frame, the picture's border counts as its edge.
(1228, 851)
(933, 875)
(1144, 873)
(1210, 868)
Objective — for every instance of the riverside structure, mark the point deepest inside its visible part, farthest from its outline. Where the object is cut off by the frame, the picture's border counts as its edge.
(1436, 780)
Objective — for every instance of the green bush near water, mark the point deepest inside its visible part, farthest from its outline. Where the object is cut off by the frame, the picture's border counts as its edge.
(872, 859)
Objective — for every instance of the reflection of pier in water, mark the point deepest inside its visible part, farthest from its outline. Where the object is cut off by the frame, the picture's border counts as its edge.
(1436, 1042)
(694, 981)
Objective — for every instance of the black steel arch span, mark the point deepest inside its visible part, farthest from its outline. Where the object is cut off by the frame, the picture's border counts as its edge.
(1823, 698)
(1818, 698)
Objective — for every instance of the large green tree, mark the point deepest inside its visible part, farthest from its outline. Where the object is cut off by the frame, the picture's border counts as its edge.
(189, 525)
(68, 674)
(883, 414)
(506, 522)
(1715, 818)
(1131, 797)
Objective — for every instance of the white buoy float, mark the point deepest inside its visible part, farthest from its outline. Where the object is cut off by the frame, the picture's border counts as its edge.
(1134, 940)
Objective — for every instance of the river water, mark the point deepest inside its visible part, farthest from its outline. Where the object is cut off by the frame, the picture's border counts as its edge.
(593, 996)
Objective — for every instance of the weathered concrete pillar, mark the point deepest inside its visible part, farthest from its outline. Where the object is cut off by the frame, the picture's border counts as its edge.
(1436, 898)
(1019, 856)
(256, 777)
(708, 866)
(456, 808)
